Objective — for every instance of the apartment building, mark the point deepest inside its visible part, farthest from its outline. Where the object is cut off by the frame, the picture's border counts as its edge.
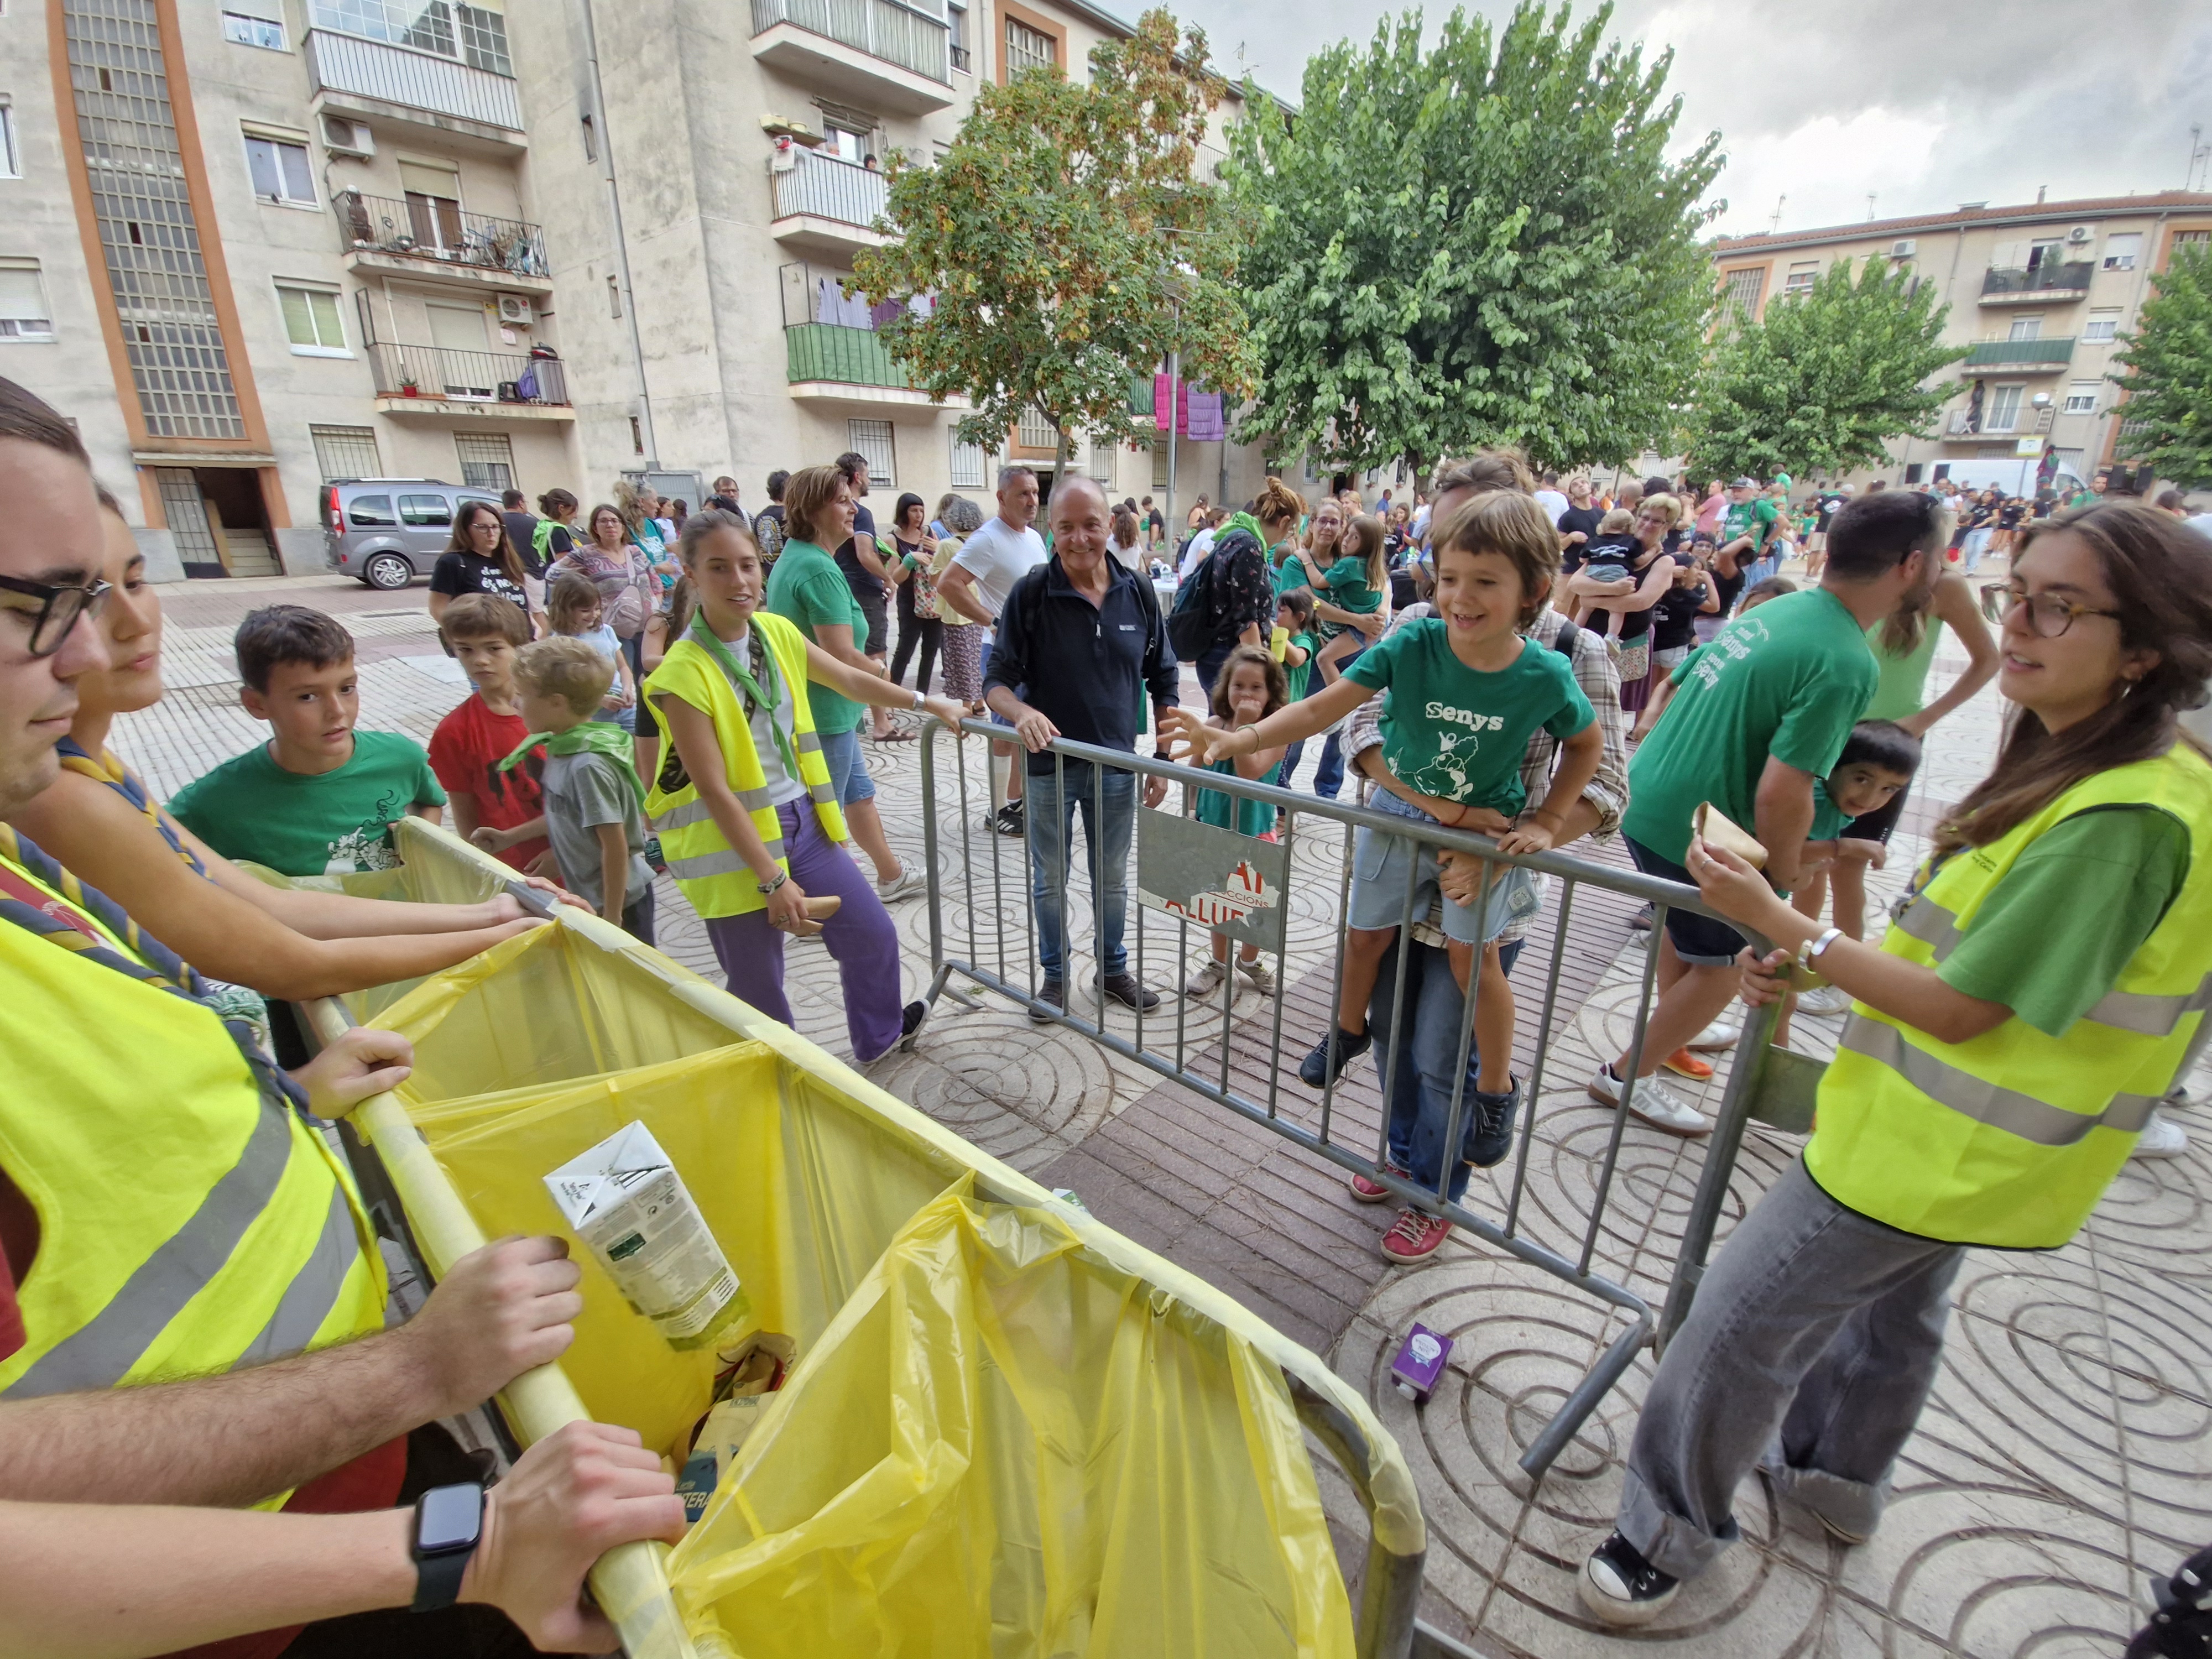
(2037, 293)
(252, 246)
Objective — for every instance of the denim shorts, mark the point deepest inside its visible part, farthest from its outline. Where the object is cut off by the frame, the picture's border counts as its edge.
(849, 767)
(1380, 867)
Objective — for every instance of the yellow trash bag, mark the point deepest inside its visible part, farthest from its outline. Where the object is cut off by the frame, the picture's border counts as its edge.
(1006, 1445)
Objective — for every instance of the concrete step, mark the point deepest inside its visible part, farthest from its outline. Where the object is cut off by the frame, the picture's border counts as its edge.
(250, 554)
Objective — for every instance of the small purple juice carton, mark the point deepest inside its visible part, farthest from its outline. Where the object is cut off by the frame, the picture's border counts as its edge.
(1419, 1362)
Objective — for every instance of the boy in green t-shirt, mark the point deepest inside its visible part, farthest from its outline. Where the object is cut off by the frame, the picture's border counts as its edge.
(318, 798)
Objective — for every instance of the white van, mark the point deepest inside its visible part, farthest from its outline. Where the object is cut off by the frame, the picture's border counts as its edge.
(2015, 477)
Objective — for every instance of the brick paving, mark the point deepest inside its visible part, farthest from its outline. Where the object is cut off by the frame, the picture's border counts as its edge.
(2063, 1457)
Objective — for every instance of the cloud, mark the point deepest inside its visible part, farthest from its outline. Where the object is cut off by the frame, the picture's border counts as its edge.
(1923, 104)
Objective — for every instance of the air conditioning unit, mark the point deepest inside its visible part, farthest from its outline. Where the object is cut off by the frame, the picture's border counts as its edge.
(514, 309)
(2079, 235)
(1904, 249)
(345, 138)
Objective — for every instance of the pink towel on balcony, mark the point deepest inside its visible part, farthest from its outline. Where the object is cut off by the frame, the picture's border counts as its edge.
(1163, 400)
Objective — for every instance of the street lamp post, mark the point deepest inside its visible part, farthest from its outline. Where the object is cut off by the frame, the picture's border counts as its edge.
(1175, 284)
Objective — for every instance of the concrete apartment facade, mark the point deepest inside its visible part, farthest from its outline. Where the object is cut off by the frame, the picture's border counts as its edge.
(252, 246)
(2038, 292)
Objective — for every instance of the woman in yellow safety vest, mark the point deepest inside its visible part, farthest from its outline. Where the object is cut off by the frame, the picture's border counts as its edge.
(2042, 986)
(748, 818)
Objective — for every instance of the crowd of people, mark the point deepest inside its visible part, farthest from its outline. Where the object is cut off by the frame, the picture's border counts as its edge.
(657, 688)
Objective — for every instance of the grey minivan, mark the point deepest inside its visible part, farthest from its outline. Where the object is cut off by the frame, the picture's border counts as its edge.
(386, 532)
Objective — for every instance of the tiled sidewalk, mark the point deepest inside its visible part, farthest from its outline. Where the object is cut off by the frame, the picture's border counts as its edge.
(2062, 1457)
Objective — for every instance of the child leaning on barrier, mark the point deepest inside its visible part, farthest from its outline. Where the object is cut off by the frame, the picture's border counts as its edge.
(1250, 687)
(1468, 688)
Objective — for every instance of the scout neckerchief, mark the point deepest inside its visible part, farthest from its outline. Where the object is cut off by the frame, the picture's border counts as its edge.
(108, 769)
(758, 682)
(155, 962)
(596, 737)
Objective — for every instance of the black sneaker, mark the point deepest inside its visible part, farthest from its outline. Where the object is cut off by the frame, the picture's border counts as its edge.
(1007, 821)
(910, 1018)
(1124, 989)
(1331, 1055)
(1621, 1587)
(1491, 1136)
(1054, 992)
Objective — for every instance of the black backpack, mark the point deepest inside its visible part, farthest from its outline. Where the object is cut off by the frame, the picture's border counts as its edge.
(1200, 617)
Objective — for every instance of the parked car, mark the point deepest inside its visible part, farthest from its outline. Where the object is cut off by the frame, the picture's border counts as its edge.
(386, 532)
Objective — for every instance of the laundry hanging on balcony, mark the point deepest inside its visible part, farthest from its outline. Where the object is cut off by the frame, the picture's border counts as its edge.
(834, 306)
(1197, 414)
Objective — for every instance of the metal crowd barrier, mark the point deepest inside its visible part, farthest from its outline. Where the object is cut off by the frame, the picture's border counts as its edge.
(1172, 858)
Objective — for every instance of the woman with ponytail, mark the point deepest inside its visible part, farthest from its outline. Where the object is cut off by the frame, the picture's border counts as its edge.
(2044, 985)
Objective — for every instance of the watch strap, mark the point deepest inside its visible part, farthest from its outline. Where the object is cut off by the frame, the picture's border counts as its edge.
(437, 1579)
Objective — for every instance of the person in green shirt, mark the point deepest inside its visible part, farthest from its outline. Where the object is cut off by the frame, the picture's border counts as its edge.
(807, 587)
(1757, 716)
(318, 798)
(1748, 527)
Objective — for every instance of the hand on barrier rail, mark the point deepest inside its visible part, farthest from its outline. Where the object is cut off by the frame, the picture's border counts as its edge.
(571, 1498)
(1765, 979)
(361, 1063)
(946, 710)
(498, 1312)
(1035, 731)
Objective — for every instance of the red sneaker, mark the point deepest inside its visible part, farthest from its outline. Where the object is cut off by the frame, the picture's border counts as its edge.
(1417, 1236)
(1370, 1192)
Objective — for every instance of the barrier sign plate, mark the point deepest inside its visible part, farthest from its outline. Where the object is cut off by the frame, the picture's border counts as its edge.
(1213, 878)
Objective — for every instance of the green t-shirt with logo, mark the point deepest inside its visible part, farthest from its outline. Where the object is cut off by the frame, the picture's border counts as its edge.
(1786, 681)
(1754, 517)
(311, 824)
(805, 587)
(1460, 734)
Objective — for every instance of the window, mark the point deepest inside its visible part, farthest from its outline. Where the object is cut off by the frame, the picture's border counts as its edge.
(1028, 48)
(372, 510)
(475, 34)
(347, 452)
(1160, 466)
(844, 144)
(2120, 251)
(874, 439)
(432, 192)
(1743, 289)
(280, 171)
(2003, 412)
(1035, 431)
(1801, 278)
(2026, 328)
(1098, 460)
(2101, 326)
(591, 139)
(311, 322)
(487, 459)
(483, 39)
(968, 465)
(2082, 397)
(957, 17)
(11, 159)
(424, 511)
(24, 314)
(247, 30)
(614, 306)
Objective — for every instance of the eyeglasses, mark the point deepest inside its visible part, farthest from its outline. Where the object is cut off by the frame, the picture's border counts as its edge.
(53, 610)
(2049, 615)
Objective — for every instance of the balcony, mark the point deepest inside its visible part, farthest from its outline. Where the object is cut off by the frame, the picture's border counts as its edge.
(2048, 283)
(426, 236)
(877, 53)
(2022, 357)
(379, 81)
(826, 207)
(827, 363)
(468, 384)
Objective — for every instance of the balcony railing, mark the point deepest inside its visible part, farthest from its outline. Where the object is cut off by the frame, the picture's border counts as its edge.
(433, 229)
(849, 356)
(898, 34)
(2047, 354)
(828, 189)
(484, 377)
(408, 79)
(2047, 281)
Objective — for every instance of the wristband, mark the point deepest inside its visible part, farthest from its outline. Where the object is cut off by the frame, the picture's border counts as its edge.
(1811, 948)
(768, 887)
(448, 1526)
(917, 702)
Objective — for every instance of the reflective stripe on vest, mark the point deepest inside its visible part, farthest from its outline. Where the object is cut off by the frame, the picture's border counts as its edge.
(2008, 1109)
(2131, 1010)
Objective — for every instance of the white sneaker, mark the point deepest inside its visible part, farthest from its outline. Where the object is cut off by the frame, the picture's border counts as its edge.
(1261, 975)
(2161, 1137)
(1824, 999)
(908, 882)
(1722, 1033)
(1206, 982)
(1654, 1101)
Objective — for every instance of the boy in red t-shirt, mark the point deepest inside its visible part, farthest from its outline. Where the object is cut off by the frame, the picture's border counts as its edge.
(500, 812)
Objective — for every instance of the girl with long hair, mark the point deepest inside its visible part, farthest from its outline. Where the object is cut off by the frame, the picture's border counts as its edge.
(1354, 601)
(914, 545)
(480, 559)
(2042, 986)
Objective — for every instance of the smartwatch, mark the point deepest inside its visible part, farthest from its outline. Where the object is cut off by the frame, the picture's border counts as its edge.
(448, 1525)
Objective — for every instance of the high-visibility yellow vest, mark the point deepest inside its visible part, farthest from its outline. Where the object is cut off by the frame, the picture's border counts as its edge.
(2010, 1140)
(189, 1225)
(713, 876)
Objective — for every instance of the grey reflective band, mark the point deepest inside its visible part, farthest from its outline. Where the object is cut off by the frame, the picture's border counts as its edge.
(314, 1290)
(1986, 1103)
(100, 1353)
(683, 816)
(1932, 925)
(2150, 1016)
(754, 800)
(723, 862)
(825, 794)
(809, 741)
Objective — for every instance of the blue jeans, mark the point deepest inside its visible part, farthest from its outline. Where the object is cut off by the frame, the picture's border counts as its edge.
(1050, 823)
(1421, 1092)
(1328, 772)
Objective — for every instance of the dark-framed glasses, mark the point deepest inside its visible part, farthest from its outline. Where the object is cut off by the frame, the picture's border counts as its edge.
(53, 610)
(2049, 615)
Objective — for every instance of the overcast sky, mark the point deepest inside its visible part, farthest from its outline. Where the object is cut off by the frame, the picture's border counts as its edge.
(1922, 104)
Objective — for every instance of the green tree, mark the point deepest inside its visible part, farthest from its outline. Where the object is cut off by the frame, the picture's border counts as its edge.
(2166, 421)
(1069, 245)
(1824, 380)
(1481, 244)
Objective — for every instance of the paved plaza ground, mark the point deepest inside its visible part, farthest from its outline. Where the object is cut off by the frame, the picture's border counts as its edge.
(2062, 1460)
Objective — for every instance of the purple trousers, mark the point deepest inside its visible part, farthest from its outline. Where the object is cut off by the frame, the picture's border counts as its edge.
(861, 938)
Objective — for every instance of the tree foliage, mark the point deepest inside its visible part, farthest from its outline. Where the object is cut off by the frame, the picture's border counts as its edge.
(2167, 420)
(1070, 244)
(1825, 381)
(1481, 244)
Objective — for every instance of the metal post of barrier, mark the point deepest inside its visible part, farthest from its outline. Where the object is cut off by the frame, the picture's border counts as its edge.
(1457, 1123)
(1397, 1011)
(1543, 1049)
